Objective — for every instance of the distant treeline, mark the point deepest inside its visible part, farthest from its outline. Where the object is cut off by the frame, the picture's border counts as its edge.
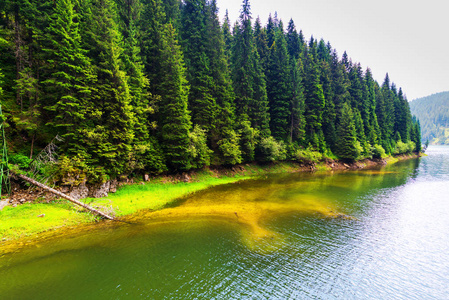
(433, 114)
(154, 86)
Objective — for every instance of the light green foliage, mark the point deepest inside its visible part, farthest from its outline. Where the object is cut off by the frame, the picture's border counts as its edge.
(248, 139)
(404, 148)
(198, 150)
(271, 149)
(378, 151)
(308, 155)
(20, 160)
(229, 147)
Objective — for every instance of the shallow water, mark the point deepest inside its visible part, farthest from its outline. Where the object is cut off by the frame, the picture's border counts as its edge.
(371, 234)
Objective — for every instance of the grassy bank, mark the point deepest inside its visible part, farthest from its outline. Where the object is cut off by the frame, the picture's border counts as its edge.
(31, 219)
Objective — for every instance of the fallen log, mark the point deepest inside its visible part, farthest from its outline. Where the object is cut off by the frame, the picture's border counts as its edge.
(58, 193)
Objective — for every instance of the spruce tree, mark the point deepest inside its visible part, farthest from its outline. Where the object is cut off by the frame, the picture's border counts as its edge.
(69, 78)
(297, 103)
(174, 120)
(224, 140)
(372, 130)
(294, 45)
(278, 88)
(227, 36)
(260, 36)
(145, 146)
(314, 103)
(111, 135)
(348, 147)
(248, 78)
(194, 38)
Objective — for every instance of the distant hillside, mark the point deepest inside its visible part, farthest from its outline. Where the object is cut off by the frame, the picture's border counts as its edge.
(433, 114)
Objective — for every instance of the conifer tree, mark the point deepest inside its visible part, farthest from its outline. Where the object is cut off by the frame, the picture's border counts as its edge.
(194, 45)
(111, 135)
(278, 87)
(260, 36)
(297, 103)
(248, 78)
(68, 77)
(151, 31)
(348, 146)
(386, 114)
(314, 103)
(174, 119)
(227, 36)
(373, 131)
(146, 148)
(224, 140)
(294, 45)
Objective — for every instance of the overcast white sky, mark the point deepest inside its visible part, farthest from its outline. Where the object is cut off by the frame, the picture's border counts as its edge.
(407, 39)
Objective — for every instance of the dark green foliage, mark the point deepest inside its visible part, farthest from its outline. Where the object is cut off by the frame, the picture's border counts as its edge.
(294, 44)
(194, 45)
(174, 119)
(314, 103)
(261, 39)
(348, 147)
(247, 74)
(227, 36)
(110, 135)
(69, 77)
(297, 121)
(278, 87)
(110, 77)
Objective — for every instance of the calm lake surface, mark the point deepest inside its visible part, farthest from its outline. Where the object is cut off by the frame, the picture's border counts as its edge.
(370, 234)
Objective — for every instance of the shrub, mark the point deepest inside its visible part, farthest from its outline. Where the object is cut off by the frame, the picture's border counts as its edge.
(378, 151)
(230, 149)
(198, 150)
(308, 155)
(272, 150)
(20, 160)
(248, 140)
(403, 148)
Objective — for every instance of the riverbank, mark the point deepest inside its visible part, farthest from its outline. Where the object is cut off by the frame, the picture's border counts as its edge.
(43, 213)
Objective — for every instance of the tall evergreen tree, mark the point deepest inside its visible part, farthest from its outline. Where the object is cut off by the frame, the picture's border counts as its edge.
(194, 44)
(227, 36)
(297, 102)
(110, 138)
(223, 135)
(278, 87)
(348, 146)
(372, 132)
(260, 36)
(314, 103)
(248, 78)
(174, 119)
(294, 45)
(69, 78)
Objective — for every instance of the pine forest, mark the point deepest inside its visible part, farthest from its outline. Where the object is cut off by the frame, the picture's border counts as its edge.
(154, 86)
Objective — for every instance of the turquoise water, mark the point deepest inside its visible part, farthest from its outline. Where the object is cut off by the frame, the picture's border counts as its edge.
(377, 234)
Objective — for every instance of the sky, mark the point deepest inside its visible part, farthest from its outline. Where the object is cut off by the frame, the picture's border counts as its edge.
(409, 40)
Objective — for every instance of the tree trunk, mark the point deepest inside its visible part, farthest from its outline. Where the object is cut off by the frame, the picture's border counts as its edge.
(58, 193)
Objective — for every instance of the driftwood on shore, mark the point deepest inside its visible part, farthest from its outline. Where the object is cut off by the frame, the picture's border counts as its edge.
(58, 193)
